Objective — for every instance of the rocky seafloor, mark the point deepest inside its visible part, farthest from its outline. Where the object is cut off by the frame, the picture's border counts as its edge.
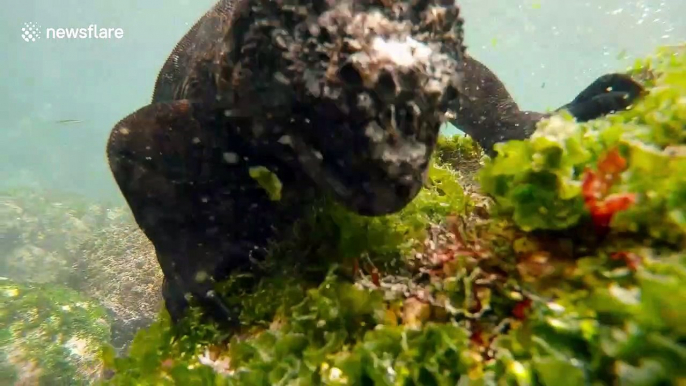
(74, 276)
(560, 262)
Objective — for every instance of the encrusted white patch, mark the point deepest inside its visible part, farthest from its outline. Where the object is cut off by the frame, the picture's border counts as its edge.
(406, 53)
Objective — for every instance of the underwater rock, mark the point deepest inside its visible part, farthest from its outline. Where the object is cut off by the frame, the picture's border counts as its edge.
(41, 233)
(29, 263)
(119, 269)
(95, 249)
(50, 335)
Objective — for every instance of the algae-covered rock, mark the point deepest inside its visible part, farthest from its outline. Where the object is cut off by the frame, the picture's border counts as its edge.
(35, 264)
(118, 267)
(42, 231)
(50, 335)
(462, 154)
(95, 249)
(37, 238)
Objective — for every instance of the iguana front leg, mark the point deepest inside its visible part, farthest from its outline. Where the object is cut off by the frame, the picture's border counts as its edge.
(488, 113)
(164, 158)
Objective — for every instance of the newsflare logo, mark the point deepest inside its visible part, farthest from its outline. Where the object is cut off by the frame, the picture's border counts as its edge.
(33, 31)
(30, 32)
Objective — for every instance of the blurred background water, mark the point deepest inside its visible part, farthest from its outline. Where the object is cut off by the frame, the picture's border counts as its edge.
(545, 51)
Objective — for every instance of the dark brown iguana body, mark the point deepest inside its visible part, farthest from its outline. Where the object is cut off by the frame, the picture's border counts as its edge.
(335, 97)
(195, 54)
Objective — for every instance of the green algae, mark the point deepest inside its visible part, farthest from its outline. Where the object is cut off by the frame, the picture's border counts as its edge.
(50, 335)
(539, 181)
(457, 149)
(444, 293)
(268, 180)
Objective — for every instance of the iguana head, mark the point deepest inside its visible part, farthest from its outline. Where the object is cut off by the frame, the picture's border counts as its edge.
(364, 85)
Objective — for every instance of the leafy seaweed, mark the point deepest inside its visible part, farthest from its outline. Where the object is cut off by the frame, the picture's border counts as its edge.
(540, 181)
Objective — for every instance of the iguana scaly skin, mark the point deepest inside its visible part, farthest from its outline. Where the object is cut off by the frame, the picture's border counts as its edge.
(335, 97)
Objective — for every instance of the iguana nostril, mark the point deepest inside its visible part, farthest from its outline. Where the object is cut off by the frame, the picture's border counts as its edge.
(349, 75)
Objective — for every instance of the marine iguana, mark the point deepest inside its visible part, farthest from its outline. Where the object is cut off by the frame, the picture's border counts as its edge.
(336, 97)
